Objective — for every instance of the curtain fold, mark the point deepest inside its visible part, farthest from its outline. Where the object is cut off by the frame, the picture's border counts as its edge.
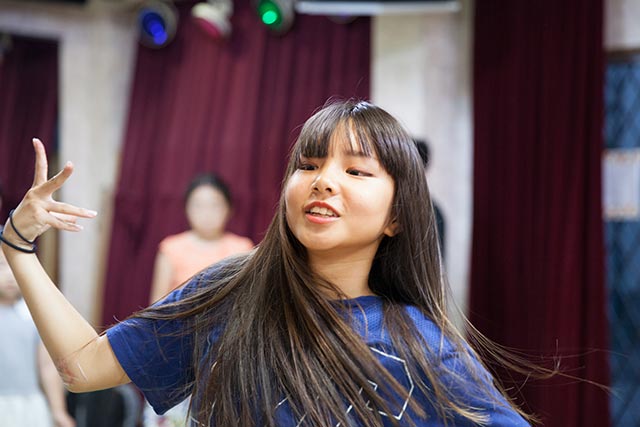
(28, 109)
(537, 281)
(233, 107)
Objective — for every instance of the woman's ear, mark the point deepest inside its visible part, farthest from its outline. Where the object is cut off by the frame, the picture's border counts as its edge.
(392, 228)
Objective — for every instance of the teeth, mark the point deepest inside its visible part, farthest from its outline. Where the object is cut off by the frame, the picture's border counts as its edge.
(322, 211)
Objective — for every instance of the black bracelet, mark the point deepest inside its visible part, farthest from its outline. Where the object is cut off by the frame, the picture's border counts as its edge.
(24, 239)
(16, 247)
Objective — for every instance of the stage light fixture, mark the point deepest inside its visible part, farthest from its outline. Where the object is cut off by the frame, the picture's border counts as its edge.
(277, 15)
(157, 22)
(375, 7)
(213, 17)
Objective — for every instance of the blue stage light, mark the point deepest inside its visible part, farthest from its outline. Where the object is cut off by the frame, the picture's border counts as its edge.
(154, 26)
(157, 22)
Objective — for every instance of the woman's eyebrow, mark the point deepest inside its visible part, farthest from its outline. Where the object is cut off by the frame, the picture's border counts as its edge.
(304, 156)
(357, 152)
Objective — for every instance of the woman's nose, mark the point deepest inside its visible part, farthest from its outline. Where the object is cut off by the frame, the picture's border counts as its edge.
(325, 182)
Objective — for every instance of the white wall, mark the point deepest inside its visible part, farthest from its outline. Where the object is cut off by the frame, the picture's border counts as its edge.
(622, 24)
(97, 46)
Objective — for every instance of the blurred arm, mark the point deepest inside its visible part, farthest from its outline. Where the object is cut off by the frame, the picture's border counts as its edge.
(53, 389)
(162, 275)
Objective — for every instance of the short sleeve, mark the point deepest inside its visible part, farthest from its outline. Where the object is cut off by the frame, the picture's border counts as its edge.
(157, 354)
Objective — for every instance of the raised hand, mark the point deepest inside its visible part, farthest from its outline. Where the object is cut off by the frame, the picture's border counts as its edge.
(38, 211)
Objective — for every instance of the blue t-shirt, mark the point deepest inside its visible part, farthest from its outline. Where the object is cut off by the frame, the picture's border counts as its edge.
(158, 358)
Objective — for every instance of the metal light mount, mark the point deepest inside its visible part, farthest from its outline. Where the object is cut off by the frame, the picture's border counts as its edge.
(213, 17)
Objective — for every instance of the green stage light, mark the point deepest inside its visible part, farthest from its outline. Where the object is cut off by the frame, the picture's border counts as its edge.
(270, 17)
(277, 15)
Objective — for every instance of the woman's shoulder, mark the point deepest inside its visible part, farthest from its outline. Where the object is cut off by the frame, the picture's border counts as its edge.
(432, 333)
(238, 241)
(178, 240)
(422, 321)
(211, 275)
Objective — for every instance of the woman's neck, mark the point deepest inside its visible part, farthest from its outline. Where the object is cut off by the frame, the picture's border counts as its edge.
(349, 273)
(206, 239)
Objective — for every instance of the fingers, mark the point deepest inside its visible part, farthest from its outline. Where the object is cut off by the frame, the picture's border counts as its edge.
(38, 211)
(67, 212)
(35, 215)
(42, 167)
(57, 222)
(70, 222)
(51, 186)
(65, 218)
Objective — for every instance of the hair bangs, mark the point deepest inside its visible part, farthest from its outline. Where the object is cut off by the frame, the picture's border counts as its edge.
(371, 132)
(317, 142)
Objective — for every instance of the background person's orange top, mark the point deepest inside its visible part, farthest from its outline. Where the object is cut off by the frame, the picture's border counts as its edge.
(188, 256)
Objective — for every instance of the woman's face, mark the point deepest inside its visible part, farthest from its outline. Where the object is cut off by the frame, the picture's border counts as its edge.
(340, 203)
(207, 211)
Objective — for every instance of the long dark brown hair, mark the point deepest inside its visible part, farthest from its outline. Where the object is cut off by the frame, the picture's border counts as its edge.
(280, 336)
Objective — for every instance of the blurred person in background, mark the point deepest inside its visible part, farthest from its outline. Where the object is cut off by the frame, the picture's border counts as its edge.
(208, 207)
(31, 391)
(425, 155)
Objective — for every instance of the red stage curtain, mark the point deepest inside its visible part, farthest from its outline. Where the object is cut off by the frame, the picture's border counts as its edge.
(537, 279)
(28, 108)
(233, 107)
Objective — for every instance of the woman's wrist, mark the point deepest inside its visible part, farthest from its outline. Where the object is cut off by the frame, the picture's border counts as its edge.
(11, 240)
(17, 232)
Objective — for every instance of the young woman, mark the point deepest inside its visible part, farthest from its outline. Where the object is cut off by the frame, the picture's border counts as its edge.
(338, 318)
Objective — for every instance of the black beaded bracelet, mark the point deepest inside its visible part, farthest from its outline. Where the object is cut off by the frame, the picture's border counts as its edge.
(24, 239)
(16, 247)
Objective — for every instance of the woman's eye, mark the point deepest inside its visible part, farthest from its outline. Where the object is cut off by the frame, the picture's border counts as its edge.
(357, 172)
(306, 167)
